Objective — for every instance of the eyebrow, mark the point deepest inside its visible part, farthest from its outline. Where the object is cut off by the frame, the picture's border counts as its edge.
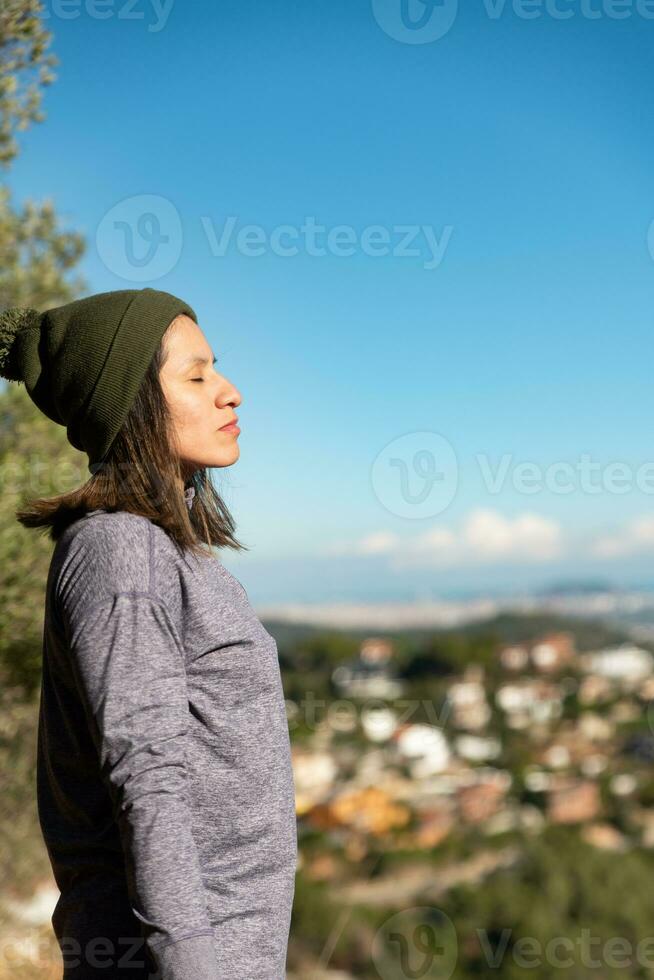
(196, 359)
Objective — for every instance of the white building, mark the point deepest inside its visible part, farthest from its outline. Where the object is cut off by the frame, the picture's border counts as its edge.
(467, 698)
(425, 746)
(528, 701)
(378, 724)
(627, 663)
(477, 748)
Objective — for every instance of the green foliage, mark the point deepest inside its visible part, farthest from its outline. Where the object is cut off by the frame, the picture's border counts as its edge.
(324, 651)
(26, 68)
(448, 653)
(520, 628)
(313, 916)
(37, 257)
(36, 459)
(645, 793)
(23, 858)
(561, 890)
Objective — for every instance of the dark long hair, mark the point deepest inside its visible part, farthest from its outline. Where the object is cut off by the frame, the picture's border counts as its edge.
(141, 474)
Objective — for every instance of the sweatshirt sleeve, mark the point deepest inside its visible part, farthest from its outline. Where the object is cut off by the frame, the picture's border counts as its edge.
(129, 668)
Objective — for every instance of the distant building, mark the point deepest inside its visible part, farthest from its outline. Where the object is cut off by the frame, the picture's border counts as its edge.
(467, 698)
(625, 711)
(556, 756)
(605, 837)
(594, 764)
(573, 801)
(369, 810)
(433, 827)
(594, 689)
(314, 774)
(477, 748)
(369, 675)
(553, 652)
(425, 747)
(646, 689)
(485, 797)
(376, 649)
(645, 818)
(514, 656)
(627, 664)
(595, 727)
(378, 724)
(529, 700)
(536, 780)
(548, 653)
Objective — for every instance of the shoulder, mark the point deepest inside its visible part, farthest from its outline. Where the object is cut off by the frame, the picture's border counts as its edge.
(103, 554)
(114, 539)
(113, 552)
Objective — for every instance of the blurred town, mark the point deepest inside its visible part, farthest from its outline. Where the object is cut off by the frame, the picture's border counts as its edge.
(539, 738)
(449, 774)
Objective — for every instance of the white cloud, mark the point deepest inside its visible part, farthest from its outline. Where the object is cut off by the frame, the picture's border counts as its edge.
(637, 537)
(484, 536)
(380, 543)
(528, 536)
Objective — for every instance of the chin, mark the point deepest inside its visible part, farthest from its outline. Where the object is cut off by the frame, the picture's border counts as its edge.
(224, 458)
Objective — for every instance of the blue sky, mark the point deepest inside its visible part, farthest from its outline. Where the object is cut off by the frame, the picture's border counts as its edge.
(514, 156)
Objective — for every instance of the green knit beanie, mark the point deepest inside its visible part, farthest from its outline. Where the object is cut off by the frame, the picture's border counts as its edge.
(82, 363)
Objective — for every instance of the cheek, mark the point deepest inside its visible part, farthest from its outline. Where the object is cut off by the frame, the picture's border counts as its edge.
(191, 410)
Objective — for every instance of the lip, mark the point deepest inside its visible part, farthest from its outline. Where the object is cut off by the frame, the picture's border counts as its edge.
(230, 427)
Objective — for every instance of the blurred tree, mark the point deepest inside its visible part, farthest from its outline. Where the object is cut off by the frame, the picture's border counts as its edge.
(36, 459)
(543, 913)
(36, 258)
(24, 69)
(35, 254)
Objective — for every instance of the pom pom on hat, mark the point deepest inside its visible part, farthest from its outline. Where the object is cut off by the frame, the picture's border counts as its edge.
(12, 322)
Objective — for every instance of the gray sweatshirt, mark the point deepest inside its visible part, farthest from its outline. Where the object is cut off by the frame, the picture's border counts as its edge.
(164, 780)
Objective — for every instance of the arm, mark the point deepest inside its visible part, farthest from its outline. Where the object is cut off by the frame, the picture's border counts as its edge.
(130, 672)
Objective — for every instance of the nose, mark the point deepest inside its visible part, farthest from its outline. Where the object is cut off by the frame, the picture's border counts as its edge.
(228, 394)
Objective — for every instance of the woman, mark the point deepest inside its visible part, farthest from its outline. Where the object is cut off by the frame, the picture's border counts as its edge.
(164, 781)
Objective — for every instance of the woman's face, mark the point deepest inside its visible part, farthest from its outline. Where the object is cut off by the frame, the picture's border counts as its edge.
(200, 399)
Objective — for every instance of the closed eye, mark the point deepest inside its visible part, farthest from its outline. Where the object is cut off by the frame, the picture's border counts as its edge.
(214, 362)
